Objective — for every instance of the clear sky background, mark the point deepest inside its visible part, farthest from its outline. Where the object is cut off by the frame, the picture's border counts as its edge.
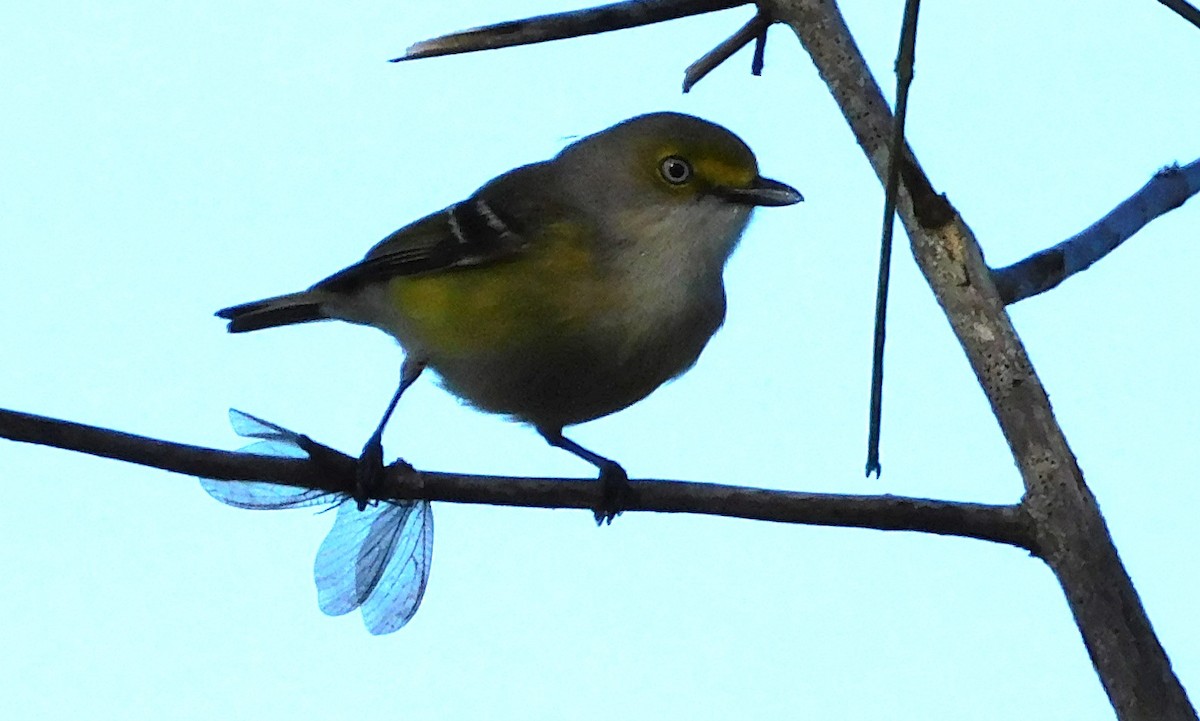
(159, 161)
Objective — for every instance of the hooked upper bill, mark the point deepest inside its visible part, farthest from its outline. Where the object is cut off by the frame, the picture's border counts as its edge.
(763, 192)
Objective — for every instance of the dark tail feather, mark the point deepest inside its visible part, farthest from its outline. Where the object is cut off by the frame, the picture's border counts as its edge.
(272, 312)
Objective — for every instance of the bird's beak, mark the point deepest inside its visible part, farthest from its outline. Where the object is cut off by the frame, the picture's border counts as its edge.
(765, 192)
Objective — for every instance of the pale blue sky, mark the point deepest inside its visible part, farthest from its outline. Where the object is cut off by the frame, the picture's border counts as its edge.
(161, 161)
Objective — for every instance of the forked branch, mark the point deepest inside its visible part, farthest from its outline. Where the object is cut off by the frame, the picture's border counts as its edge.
(1072, 535)
(1036, 274)
(753, 30)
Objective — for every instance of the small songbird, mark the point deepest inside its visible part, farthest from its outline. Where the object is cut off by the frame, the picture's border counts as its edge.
(560, 291)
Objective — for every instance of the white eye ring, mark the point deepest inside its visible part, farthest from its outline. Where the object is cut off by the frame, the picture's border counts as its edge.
(675, 170)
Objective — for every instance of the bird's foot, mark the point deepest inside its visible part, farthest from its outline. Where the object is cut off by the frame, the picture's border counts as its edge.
(368, 475)
(615, 493)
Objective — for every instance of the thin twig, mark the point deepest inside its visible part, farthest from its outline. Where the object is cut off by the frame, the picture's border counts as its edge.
(760, 53)
(1167, 190)
(335, 473)
(905, 58)
(755, 29)
(559, 26)
(1186, 10)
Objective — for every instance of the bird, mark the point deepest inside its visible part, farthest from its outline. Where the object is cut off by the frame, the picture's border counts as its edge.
(561, 291)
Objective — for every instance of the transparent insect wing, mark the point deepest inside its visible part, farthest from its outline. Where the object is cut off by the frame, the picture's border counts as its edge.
(378, 559)
(248, 426)
(263, 496)
(335, 570)
(256, 495)
(401, 584)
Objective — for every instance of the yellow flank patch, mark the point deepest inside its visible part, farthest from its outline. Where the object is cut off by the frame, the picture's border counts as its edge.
(526, 302)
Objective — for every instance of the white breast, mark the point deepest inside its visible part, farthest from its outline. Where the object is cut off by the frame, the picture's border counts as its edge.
(672, 282)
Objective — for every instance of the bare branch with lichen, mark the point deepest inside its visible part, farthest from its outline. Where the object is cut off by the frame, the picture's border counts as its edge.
(1072, 535)
(1058, 518)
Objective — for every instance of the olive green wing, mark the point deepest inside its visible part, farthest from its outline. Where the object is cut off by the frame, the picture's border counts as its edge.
(491, 226)
(501, 221)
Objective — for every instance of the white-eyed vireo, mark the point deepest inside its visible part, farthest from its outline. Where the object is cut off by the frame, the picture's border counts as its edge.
(561, 291)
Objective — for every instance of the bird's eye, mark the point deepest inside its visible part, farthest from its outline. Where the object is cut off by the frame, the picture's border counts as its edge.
(675, 170)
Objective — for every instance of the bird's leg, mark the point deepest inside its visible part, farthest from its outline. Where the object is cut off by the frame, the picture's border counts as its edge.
(615, 491)
(369, 472)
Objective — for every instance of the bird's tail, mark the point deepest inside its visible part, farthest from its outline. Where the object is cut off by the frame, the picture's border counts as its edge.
(288, 309)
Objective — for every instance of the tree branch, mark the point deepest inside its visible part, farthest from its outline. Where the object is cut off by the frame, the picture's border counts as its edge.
(559, 26)
(1170, 188)
(1185, 10)
(333, 472)
(1058, 519)
(1072, 536)
(749, 32)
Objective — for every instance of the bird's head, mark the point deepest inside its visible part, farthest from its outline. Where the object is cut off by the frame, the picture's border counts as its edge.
(670, 178)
